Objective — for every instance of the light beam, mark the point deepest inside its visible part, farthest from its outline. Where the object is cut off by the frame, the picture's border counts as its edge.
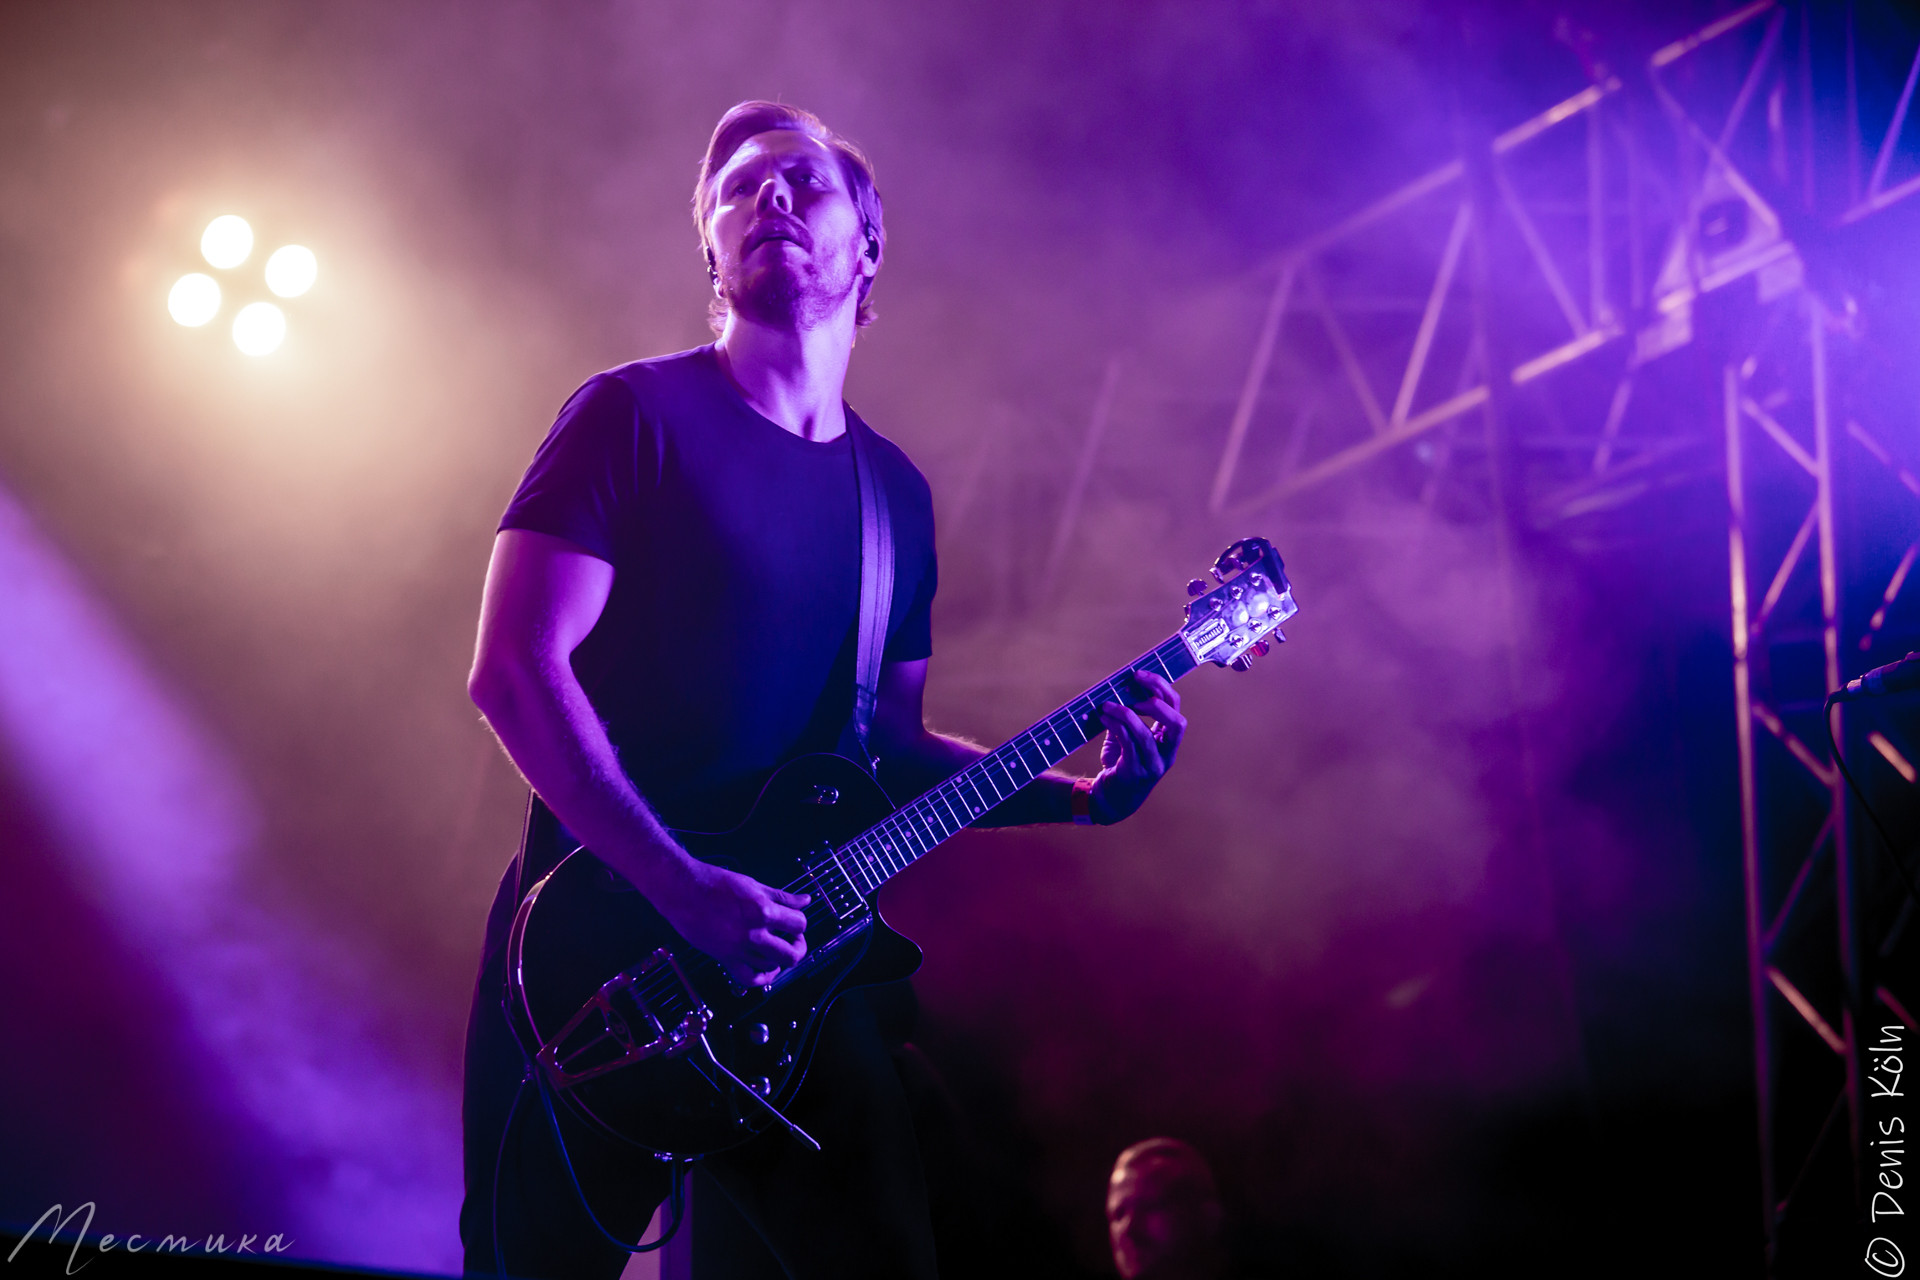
(194, 299)
(291, 270)
(259, 329)
(227, 241)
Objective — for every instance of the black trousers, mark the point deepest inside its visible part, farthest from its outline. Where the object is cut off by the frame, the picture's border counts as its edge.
(857, 1208)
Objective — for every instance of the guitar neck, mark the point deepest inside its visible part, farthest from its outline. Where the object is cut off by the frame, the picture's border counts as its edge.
(895, 843)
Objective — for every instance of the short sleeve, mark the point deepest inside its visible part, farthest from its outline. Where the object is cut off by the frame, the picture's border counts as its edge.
(586, 475)
(912, 640)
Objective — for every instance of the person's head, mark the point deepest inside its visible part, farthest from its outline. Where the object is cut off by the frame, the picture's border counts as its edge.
(790, 220)
(1163, 1211)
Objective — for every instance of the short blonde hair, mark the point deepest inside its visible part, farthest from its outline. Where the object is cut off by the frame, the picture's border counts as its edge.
(750, 119)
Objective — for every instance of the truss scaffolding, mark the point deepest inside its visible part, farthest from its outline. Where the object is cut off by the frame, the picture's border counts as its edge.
(1561, 261)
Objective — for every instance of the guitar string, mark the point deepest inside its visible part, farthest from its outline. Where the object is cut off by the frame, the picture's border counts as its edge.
(657, 993)
(666, 985)
(902, 820)
(948, 793)
(669, 986)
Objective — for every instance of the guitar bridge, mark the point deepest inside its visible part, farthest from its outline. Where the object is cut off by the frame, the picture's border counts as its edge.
(632, 1017)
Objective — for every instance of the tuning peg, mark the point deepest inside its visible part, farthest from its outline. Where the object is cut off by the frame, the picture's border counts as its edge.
(1242, 663)
(1260, 648)
(1196, 588)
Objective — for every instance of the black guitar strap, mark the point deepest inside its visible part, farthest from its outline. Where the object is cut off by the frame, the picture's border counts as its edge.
(876, 586)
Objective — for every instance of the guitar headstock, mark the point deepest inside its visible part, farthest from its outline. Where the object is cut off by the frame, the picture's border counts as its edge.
(1229, 625)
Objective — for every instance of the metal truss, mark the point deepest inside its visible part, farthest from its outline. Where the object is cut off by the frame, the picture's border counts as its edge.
(1599, 224)
(1499, 324)
(1821, 938)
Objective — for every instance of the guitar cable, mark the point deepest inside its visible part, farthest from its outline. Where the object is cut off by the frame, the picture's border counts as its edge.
(676, 1196)
(1893, 850)
(500, 1158)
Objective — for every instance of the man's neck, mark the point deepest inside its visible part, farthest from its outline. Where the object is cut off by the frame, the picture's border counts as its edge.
(793, 377)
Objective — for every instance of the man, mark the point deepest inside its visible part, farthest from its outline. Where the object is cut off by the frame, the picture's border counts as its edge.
(1163, 1213)
(670, 613)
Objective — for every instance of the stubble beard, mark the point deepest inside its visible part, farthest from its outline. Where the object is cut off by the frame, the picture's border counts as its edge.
(792, 295)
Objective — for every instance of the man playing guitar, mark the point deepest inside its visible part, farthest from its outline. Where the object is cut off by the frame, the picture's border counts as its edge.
(670, 613)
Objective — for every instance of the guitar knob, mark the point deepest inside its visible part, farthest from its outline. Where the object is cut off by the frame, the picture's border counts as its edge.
(1196, 588)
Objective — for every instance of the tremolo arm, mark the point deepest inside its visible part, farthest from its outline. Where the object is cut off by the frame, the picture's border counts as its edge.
(623, 1023)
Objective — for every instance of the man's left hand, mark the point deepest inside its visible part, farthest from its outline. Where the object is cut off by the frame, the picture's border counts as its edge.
(1136, 753)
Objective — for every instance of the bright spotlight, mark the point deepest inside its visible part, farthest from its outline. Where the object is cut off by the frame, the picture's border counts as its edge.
(193, 300)
(291, 270)
(227, 241)
(259, 329)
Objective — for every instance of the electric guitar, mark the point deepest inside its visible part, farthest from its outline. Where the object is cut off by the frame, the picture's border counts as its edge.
(652, 1042)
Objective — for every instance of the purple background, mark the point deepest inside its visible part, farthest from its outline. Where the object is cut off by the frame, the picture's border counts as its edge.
(249, 822)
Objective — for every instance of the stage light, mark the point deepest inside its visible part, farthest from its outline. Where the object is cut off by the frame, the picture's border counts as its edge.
(193, 300)
(291, 270)
(259, 329)
(227, 241)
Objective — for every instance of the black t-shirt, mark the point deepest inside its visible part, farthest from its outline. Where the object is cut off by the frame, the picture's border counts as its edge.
(726, 646)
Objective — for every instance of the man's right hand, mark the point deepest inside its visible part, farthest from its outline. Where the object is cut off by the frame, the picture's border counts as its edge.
(753, 930)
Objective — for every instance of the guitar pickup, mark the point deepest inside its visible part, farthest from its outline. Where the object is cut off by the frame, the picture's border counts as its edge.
(647, 1011)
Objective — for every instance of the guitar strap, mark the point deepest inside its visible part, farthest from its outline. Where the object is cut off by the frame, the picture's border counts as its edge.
(876, 586)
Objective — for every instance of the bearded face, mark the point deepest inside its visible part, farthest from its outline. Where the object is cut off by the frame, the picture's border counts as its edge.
(787, 241)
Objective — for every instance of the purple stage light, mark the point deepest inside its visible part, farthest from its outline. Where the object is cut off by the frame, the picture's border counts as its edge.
(159, 829)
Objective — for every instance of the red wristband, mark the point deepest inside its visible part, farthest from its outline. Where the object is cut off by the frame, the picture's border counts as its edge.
(1080, 801)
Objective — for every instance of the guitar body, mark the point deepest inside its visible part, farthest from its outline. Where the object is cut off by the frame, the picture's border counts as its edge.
(586, 949)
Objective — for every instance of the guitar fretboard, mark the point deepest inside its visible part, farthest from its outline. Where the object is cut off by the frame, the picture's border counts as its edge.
(895, 843)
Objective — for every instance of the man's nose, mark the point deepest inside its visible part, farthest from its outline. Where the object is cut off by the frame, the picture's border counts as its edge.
(774, 194)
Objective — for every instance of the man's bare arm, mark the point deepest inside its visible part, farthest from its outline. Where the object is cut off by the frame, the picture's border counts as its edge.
(543, 595)
(1133, 758)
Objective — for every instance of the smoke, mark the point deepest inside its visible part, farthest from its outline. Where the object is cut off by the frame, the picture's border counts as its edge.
(158, 827)
(1334, 925)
